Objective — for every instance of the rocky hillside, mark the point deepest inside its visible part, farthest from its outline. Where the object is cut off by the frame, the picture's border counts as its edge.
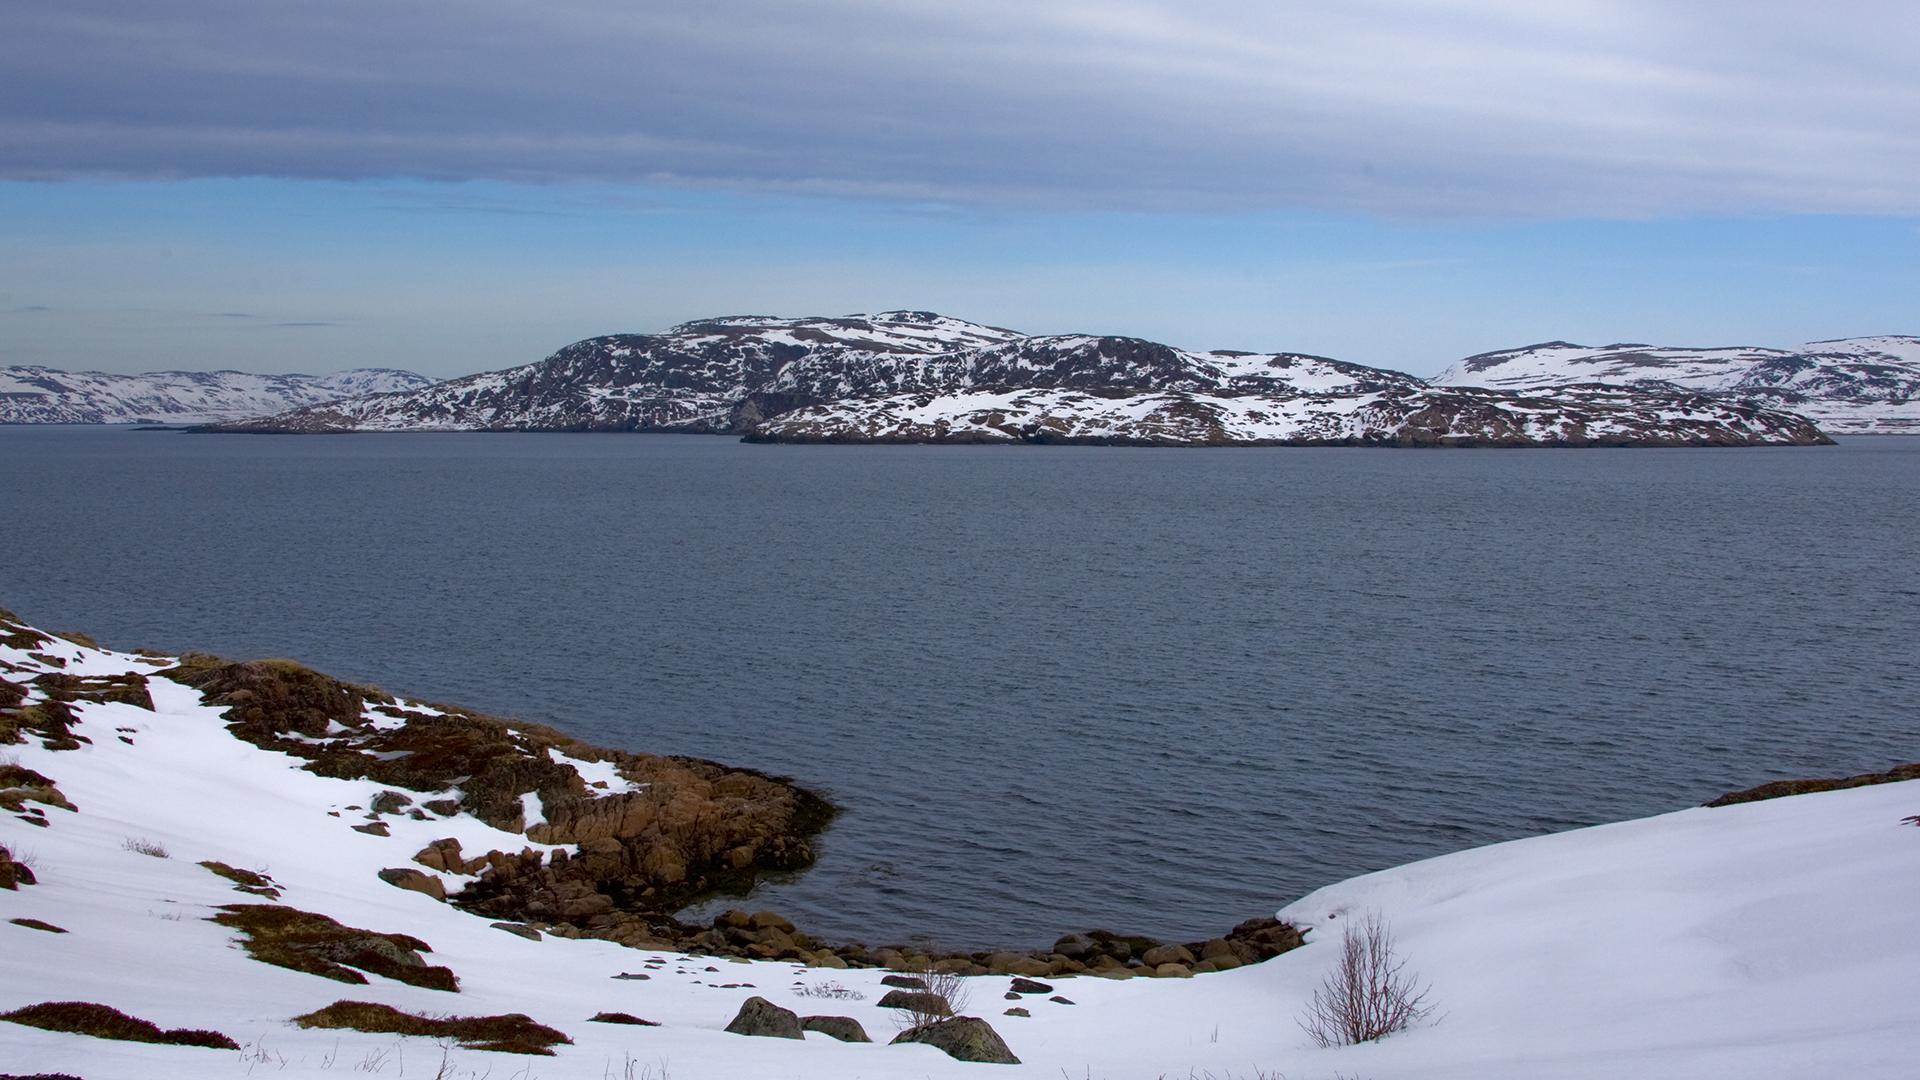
(914, 376)
(1398, 416)
(42, 395)
(1866, 385)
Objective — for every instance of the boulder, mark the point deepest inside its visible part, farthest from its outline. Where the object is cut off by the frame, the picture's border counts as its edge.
(1074, 947)
(964, 1038)
(1166, 954)
(406, 877)
(1028, 986)
(905, 982)
(1018, 1011)
(916, 1001)
(761, 1017)
(767, 920)
(389, 802)
(844, 1028)
(1172, 971)
(518, 930)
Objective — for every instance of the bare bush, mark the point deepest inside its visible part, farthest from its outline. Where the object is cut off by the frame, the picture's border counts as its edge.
(1369, 995)
(146, 847)
(946, 995)
(829, 989)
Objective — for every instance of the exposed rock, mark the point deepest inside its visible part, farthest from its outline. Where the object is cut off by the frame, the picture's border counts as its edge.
(904, 982)
(1018, 1011)
(1166, 954)
(1782, 788)
(844, 1028)
(521, 930)
(315, 944)
(415, 880)
(389, 802)
(916, 1001)
(761, 1017)
(14, 874)
(1028, 986)
(1173, 971)
(372, 828)
(966, 1038)
(36, 924)
(1059, 1000)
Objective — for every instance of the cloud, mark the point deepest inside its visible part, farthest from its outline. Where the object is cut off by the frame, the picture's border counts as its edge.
(1507, 108)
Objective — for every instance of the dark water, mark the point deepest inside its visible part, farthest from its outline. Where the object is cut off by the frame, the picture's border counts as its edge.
(1052, 688)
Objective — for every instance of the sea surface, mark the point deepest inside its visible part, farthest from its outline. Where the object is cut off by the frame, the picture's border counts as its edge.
(1051, 688)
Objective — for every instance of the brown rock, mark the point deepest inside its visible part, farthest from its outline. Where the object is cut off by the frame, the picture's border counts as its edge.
(415, 880)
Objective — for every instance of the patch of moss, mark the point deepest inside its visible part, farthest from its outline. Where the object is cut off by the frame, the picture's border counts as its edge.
(36, 924)
(246, 881)
(1782, 788)
(15, 634)
(317, 945)
(511, 1033)
(106, 1022)
(620, 1018)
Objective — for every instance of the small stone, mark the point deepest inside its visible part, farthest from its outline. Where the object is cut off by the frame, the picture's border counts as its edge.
(520, 930)
(1018, 1011)
(633, 975)
(373, 828)
(620, 1018)
(1059, 1000)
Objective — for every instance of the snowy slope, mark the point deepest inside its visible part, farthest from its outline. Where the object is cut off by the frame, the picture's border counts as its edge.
(1767, 939)
(1852, 385)
(40, 395)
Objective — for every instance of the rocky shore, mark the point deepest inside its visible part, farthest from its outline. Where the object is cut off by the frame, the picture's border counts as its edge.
(615, 843)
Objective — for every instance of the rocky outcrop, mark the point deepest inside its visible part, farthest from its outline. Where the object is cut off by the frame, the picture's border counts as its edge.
(683, 828)
(965, 1038)
(42, 395)
(1782, 788)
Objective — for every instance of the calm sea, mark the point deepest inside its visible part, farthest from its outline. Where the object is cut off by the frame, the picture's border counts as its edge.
(1052, 688)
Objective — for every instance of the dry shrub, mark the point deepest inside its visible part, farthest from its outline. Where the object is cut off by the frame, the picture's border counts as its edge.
(1369, 995)
(143, 846)
(511, 1033)
(106, 1022)
(945, 997)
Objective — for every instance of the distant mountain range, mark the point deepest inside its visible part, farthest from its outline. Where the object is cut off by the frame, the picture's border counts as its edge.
(41, 395)
(1863, 385)
(915, 376)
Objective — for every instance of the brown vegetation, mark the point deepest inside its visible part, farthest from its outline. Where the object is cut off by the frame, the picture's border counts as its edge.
(105, 1022)
(512, 1033)
(1781, 788)
(252, 882)
(1369, 995)
(692, 828)
(317, 945)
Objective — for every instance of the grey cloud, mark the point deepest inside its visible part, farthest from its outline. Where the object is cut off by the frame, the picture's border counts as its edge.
(1402, 106)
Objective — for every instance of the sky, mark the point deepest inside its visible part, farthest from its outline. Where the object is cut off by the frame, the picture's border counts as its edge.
(456, 187)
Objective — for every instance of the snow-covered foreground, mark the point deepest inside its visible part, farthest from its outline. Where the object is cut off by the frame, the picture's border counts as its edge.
(1769, 939)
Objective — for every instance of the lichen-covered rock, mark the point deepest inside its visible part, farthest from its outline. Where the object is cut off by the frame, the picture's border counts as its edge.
(405, 877)
(844, 1028)
(758, 1016)
(965, 1038)
(918, 1002)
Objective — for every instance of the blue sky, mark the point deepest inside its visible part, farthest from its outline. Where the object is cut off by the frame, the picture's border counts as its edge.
(281, 187)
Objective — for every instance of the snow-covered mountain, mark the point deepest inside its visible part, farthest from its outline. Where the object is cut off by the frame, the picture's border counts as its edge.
(921, 377)
(42, 395)
(1861, 385)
